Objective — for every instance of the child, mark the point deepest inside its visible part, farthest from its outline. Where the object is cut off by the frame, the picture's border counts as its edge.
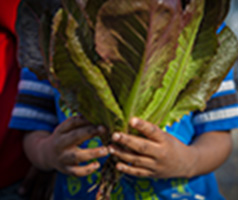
(176, 164)
(165, 166)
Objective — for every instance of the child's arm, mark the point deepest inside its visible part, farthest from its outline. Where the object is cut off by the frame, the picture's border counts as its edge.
(161, 155)
(60, 150)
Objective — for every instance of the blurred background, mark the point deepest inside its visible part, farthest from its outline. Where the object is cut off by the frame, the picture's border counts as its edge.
(232, 18)
(227, 175)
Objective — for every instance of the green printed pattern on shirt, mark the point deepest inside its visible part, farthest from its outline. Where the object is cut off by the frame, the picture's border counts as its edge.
(180, 185)
(74, 185)
(145, 191)
(117, 193)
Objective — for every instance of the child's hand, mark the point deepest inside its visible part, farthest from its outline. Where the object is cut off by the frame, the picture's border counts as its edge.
(159, 155)
(62, 147)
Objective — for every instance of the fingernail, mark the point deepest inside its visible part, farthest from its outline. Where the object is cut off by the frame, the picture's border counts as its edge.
(101, 129)
(111, 150)
(120, 167)
(96, 165)
(116, 136)
(134, 121)
(103, 151)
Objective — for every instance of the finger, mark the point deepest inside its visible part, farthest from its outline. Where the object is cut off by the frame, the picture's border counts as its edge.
(140, 145)
(135, 160)
(80, 171)
(71, 123)
(79, 135)
(134, 171)
(148, 129)
(83, 155)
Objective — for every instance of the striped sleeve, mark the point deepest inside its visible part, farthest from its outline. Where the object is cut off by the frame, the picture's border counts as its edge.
(35, 105)
(221, 113)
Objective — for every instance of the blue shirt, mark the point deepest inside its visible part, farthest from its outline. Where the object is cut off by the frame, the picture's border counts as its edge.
(223, 115)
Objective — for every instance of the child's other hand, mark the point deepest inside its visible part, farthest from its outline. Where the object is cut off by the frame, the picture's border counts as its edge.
(159, 155)
(62, 147)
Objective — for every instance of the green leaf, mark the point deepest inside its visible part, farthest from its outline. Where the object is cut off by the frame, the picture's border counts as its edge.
(81, 83)
(92, 7)
(44, 39)
(137, 39)
(205, 48)
(207, 82)
(85, 33)
(175, 78)
(154, 59)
